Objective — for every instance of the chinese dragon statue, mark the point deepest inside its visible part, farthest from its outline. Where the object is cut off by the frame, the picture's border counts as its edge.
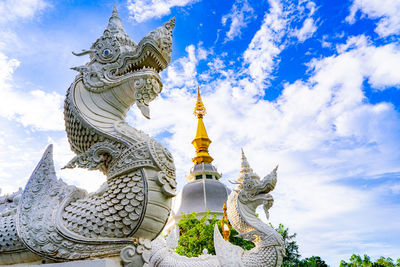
(55, 221)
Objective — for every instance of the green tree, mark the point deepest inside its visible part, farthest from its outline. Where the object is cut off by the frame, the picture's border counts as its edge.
(198, 234)
(387, 262)
(313, 261)
(357, 261)
(292, 257)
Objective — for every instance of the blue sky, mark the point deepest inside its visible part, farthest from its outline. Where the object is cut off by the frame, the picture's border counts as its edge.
(311, 85)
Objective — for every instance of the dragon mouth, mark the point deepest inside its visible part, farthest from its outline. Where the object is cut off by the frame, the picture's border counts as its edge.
(262, 196)
(262, 192)
(148, 59)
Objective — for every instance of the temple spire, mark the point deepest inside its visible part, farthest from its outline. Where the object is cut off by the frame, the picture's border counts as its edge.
(199, 109)
(201, 142)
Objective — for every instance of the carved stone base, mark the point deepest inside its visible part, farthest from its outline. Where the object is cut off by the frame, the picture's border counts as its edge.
(107, 262)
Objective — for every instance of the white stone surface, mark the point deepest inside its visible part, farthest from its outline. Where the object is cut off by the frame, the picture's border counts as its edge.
(108, 262)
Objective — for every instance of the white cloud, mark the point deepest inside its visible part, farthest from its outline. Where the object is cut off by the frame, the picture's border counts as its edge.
(266, 44)
(35, 108)
(303, 14)
(11, 10)
(262, 55)
(380, 75)
(142, 10)
(306, 31)
(239, 17)
(386, 11)
(182, 72)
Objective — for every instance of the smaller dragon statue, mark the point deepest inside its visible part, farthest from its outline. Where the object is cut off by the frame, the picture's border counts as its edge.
(250, 193)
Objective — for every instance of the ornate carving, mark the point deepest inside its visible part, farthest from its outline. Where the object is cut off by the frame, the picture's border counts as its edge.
(163, 158)
(168, 185)
(146, 90)
(136, 156)
(95, 156)
(107, 48)
(163, 37)
(139, 256)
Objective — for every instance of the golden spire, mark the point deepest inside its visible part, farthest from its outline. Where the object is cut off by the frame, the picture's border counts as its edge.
(199, 109)
(201, 141)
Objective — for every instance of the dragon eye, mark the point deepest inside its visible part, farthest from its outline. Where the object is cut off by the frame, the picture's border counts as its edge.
(106, 52)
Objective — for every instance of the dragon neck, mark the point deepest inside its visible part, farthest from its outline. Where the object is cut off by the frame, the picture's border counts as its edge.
(91, 117)
(240, 216)
(103, 110)
(244, 219)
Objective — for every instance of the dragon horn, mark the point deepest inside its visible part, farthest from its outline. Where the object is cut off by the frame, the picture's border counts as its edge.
(84, 52)
(79, 68)
(271, 179)
(276, 168)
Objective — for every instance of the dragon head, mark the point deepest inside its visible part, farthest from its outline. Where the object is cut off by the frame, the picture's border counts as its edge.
(115, 59)
(253, 191)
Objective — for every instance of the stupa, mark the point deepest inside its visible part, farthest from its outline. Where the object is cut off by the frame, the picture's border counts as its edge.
(204, 192)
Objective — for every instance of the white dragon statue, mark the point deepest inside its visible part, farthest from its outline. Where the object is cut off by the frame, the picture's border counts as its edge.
(50, 220)
(55, 221)
(269, 249)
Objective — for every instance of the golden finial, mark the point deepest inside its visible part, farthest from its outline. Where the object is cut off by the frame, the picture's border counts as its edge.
(201, 142)
(226, 230)
(199, 109)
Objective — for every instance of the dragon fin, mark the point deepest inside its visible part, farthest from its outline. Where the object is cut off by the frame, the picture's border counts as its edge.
(173, 238)
(228, 255)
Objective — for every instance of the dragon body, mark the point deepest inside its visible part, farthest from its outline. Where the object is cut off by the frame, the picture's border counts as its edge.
(250, 193)
(56, 221)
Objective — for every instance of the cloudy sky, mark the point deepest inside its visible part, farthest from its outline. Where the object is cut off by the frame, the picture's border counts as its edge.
(310, 85)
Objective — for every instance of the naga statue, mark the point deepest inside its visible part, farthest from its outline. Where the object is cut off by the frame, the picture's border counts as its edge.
(50, 220)
(249, 193)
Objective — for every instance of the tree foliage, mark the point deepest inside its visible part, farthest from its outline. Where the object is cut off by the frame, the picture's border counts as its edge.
(292, 257)
(198, 234)
(313, 261)
(365, 261)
